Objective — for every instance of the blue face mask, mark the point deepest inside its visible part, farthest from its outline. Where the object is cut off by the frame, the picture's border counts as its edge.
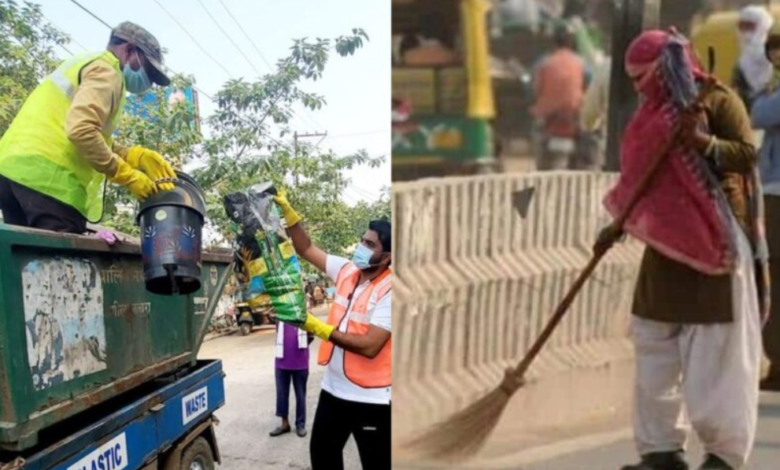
(362, 257)
(136, 81)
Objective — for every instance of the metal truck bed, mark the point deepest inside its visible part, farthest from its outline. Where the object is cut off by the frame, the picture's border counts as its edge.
(77, 327)
(135, 430)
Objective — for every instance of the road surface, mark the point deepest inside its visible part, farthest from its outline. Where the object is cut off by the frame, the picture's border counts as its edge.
(604, 446)
(249, 412)
(766, 452)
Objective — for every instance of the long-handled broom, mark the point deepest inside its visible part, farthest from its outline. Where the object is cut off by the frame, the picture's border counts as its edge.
(466, 432)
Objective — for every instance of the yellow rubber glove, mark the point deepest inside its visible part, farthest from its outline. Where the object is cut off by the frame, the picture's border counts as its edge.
(151, 163)
(290, 216)
(135, 181)
(317, 327)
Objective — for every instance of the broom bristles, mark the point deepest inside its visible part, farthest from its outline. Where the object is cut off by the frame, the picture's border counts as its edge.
(464, 433)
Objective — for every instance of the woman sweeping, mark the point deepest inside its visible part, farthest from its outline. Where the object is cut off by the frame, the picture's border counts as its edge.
(697, 309)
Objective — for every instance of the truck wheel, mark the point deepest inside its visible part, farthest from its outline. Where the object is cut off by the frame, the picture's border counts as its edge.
(197, 456)
(246, 328)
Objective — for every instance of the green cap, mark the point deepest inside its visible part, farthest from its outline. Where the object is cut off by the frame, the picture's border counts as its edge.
(148, 44)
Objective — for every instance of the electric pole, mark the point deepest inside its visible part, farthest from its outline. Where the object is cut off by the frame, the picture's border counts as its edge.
(296, 135)
(630, 19)
(303, 136)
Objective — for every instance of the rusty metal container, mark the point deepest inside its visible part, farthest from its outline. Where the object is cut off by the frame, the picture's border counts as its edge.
(77, 326)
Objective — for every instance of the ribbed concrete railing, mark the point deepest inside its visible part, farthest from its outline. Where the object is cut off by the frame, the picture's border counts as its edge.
(474, 284)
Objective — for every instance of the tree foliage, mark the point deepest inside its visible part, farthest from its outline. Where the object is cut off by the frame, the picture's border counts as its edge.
(26, 54)
(245, 146)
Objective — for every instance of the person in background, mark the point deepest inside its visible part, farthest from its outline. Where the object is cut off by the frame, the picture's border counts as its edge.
(593, 120)
(309, 290)
(753, 70)
(593, 117)
(59, 149)
(409, 41)
(318, 295)
(434, 47)
(559, 86)
(765, 115)
(356, 347)
(292, 366)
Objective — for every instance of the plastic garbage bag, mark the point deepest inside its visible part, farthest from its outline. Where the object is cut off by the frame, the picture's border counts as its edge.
(265, 252)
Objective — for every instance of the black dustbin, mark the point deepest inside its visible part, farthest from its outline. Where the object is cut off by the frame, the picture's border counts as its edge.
(172, 237)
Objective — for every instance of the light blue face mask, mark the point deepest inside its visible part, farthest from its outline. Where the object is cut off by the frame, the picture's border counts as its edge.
(136, 81)
(362, 257)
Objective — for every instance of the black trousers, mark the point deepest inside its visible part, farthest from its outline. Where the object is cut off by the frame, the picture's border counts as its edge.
(23, 206)
(336, 420)
(298, 379)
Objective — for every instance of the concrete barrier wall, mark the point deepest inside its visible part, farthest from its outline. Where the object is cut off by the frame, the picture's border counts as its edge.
(475, 283)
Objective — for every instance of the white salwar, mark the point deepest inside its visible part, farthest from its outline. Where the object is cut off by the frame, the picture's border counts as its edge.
(704, 376)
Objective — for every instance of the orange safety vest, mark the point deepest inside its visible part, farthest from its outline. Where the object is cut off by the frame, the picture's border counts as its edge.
(362, 371)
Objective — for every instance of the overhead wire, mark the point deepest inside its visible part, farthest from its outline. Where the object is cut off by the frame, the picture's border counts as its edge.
(187, 32)
(246, 35)
(66, 49)
(62, 31)
(356, 134)
(311, 123)
(90, 13)
(357, 197)
(240, 51)
(364, 192)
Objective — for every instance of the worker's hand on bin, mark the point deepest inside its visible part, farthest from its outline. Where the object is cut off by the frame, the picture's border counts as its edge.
(135, 181)
(317, 327)
(107, 236)
(151, 163)
(290, 216)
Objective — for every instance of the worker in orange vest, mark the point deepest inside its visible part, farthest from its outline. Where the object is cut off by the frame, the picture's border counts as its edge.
(356, 347)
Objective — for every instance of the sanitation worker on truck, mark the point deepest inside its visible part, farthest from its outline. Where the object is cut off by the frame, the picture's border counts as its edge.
(356, 347)
(59, 150)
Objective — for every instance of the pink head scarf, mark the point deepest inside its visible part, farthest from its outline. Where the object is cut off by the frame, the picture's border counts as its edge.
(683, 214)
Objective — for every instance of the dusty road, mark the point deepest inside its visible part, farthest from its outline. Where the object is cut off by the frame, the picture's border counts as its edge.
(249, 413)
(766, 452)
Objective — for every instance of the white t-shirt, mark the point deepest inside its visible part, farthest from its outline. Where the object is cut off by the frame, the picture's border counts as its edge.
(335, 382)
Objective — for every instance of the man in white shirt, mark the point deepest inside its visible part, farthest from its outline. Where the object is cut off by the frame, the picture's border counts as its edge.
(356, 347)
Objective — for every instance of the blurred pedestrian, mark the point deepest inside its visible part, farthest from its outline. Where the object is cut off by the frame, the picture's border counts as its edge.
(292, 367)
(753, 71)
(766, 116)
(559, 85)
(319, 296)
(696, 313)
(434, 46)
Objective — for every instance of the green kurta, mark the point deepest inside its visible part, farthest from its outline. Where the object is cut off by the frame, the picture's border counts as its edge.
(669, 291)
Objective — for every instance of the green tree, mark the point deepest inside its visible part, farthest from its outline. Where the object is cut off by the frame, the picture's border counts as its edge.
(166, 127)
(244, 147)
(26, 54)
(243, 151)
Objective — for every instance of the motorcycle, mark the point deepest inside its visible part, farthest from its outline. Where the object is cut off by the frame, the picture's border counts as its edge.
(557, 141)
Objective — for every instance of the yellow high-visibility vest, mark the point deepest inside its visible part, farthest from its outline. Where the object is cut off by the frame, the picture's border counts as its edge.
(36, 152)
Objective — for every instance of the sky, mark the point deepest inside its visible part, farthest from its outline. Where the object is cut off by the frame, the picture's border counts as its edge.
(356, 88)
